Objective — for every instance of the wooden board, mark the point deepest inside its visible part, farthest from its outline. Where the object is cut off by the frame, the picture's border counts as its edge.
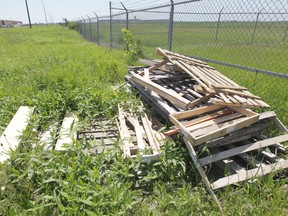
(11, 136)
(67, 134)
(210, 129)
(249, 174)
(242, 149)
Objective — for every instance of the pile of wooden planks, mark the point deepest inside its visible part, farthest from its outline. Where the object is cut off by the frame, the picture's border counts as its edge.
(225, 138)
(216, 87)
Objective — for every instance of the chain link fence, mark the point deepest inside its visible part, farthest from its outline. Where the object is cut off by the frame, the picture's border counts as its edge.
(245, 40)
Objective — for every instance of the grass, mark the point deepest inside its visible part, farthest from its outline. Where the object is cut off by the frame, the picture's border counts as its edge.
(57, 71)
(234, 43)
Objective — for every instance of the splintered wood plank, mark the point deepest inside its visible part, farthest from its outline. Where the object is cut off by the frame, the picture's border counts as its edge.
(11, 137)
(67, 134)
(163, 92)
(242, 149)
(249, 174)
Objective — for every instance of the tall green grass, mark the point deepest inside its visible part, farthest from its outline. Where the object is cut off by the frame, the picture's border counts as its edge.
(57, 71)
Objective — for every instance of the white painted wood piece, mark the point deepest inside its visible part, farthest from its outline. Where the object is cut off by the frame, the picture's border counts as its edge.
(10, 138)
(67, 133)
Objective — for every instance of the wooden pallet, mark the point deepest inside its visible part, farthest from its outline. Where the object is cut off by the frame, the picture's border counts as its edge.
(11, 137)
(242, 160)
(209, 122)
(102, 135)
(138, 137)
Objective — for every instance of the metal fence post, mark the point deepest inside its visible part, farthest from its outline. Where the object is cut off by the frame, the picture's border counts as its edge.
(285, 35)
(111, 36)
(171, 22)
(84, 27)
(127, 21)
(127, 16)
(218, 24)
(28, 14)
(255, 27)
(90, 27)
(98, 29)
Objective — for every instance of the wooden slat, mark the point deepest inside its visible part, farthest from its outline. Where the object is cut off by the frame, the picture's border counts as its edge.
(146, 73)
(11, 136)
(163, 92)
(249, 174)
(243, 149)
(204, 86)
(201, 172)
(151, 138)
(243, 122)
(236, 119)
(124, 132)
(233, 92)
(67, 134)
(197, 111)
(199, 100)
(229, 87)
(215, 121)
(239, 135)
(280, 125)
(139, 134)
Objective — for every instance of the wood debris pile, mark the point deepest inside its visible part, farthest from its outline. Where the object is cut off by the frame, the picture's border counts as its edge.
(211, 112)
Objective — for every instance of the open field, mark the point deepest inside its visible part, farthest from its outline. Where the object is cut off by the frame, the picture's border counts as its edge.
(234, 44)
(57, 71)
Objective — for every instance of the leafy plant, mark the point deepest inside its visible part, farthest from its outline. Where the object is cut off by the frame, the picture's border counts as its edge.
(134, 51)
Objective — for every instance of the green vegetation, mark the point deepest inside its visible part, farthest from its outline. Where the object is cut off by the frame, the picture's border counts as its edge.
(55, 70)
(134, 49)
(234, 42)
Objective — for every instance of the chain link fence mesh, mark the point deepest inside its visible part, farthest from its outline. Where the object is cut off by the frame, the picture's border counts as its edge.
(249, 34)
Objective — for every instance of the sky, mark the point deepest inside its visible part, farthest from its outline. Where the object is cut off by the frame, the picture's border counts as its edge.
(56, 10)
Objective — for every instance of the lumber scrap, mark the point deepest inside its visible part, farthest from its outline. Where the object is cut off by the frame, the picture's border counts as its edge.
(163, 92)
(250, 174)
(212, 125)
(227, 92)
(242, 149)
(68, 133)
(11, 137)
